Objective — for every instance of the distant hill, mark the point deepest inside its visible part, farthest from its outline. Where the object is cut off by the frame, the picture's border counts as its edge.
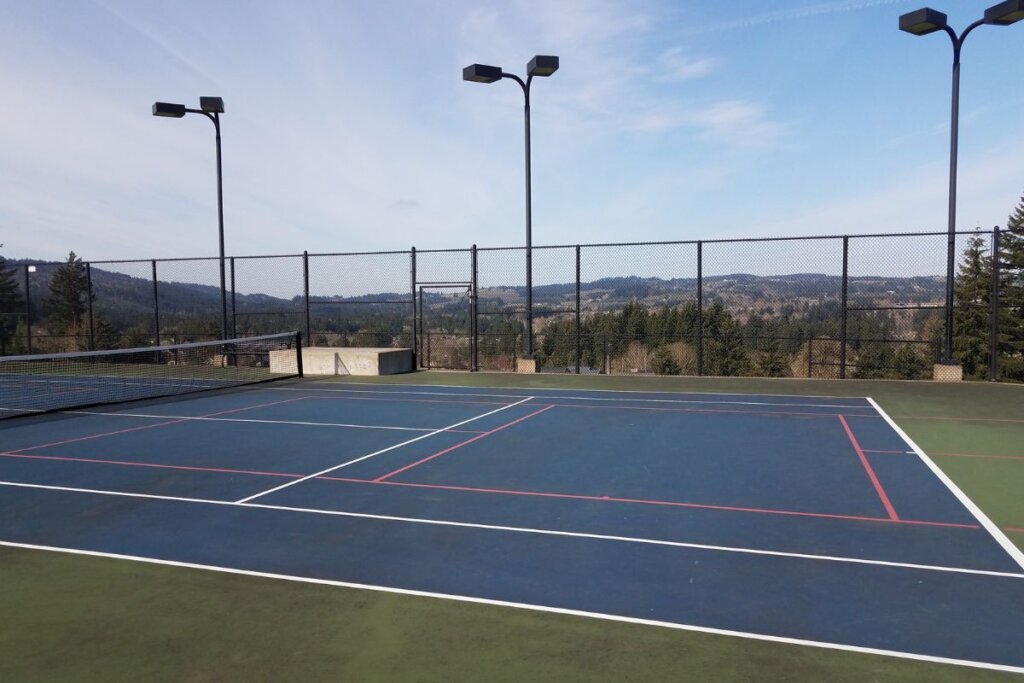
(125, 300)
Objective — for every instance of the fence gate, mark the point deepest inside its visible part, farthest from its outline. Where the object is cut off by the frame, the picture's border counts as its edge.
(446, 325)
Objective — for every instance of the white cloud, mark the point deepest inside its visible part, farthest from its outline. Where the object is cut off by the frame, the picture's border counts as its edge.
(673, 66)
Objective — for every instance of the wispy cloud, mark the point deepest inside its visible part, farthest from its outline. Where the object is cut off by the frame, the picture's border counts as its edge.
(674, 65)
(793, 14)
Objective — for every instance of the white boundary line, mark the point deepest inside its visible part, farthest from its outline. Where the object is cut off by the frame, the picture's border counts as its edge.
(575, 398)
(605, 391)
(240, 419)
(527, 530)
(534, 608)
(383, 450)
(1014, 552)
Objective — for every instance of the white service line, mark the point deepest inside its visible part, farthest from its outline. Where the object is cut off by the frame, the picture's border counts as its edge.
(542, 532)
(997, 533)
(241, 419)
(535, 608)
(577, 398)
(383, 450)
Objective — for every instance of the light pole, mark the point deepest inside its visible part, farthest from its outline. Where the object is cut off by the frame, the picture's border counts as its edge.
(541, 65)
(922, 22)
(211, 108)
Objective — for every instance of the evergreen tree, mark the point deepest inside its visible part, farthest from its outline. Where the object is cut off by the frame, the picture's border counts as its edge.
(662, 362)
(68, 298)
(972, 312)
(1011, 300)
(10, 306)
(772, 362)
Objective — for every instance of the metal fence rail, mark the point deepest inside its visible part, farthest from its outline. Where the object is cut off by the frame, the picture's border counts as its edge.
(820, 306)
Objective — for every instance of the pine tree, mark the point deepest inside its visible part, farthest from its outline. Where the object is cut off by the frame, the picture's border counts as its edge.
(10, 306)
(68, 298)
(1011, 295)
(772, 362)
(973, 310)
(662, 362)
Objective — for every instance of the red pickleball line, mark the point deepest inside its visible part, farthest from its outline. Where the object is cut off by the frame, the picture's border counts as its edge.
(133, 463)
(462, 443)
(644, 501)
(151, 426)
(539, 494)
(871, 472)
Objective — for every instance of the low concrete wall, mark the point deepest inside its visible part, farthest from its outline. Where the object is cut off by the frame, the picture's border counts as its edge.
(325, 360)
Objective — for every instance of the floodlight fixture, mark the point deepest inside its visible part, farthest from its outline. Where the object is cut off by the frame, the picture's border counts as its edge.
(481, 73)
(211, 108)
(212, 105)
(542, 65)
(1005, 13)
(175, 111)
(31, 269)
(923, 21)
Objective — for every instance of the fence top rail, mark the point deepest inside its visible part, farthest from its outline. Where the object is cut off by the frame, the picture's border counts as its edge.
(466, 250)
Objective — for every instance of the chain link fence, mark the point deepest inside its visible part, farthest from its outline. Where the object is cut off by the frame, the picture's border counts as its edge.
(858, 306)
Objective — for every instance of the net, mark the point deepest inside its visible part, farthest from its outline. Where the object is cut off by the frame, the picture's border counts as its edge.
(48, 382)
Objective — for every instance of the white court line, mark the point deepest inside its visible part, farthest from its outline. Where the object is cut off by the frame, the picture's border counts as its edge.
(576, 398)
(655, 378)
(530, 530)
(383, 450)
(240, 419)
(997, 533)
(535, 608)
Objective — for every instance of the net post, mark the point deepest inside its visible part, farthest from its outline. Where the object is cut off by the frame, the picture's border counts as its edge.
(578, 340)
(993, 351)
(298, 354)
(473, 321)
(156, 305)
(89, 298)
(28, 312)
(416, 356)
(305, 294)
(234, 309)
(700, 308)
(845, 313)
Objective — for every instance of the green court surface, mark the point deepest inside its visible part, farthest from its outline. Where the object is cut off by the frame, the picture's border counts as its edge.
(72, 617)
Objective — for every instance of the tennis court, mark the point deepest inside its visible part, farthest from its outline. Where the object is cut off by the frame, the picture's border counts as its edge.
(803, 519)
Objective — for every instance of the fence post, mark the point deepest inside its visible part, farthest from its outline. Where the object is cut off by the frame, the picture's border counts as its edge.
(305, 294)
(28, 312)
(993, 351)
(89, 297)
(842, 329)
(234, 309)
(417, 356)
(700, 308)
(422, 333)
(810, 354)
(578, 331)
(156, 305)
(473, 359)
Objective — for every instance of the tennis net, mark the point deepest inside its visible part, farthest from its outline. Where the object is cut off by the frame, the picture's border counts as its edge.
(44, 383)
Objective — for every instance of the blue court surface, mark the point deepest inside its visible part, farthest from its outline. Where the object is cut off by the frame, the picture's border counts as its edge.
(807, 519)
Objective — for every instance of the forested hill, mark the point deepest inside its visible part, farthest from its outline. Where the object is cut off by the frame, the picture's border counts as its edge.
(117, 293)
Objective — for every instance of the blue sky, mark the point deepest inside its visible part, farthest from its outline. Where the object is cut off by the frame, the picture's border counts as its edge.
(348, 126)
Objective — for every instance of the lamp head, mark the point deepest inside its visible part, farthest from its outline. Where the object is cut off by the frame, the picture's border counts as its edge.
(923, 21)
(211, 105)
(481, 73)
(1005, 13)
(175, 111)
(542, 65)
